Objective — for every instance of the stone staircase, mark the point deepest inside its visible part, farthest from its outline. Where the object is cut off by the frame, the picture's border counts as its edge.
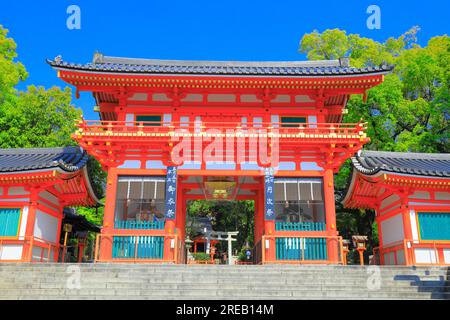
(149, 281)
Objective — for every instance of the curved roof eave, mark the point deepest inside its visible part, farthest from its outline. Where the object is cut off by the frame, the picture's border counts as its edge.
(297, 69)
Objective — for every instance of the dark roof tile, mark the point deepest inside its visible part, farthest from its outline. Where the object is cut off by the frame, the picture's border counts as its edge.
(421, 164)
(68, 159)
(276, 68)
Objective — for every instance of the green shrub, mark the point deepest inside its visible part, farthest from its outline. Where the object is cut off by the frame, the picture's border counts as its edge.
(201, 256)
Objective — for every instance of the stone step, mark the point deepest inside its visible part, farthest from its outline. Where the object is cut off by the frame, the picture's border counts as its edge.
(139, 281)
(234, 296)
(209, 268)
(219, 274)
(237, 286)
(226, 271)
(225, 277)
(215, 293)
(167, 281)
(171, 282)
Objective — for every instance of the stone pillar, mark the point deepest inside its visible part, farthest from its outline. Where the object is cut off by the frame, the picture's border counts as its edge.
(230, 250)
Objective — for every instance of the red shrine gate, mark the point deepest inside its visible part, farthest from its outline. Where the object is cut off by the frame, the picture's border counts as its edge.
(173, 131)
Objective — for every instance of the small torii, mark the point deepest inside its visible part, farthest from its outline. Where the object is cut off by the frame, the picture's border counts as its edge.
(222, 236)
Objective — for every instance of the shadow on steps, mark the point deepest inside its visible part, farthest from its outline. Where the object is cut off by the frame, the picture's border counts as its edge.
(439, 289)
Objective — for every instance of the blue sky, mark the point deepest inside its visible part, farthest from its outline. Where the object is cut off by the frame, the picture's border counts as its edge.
(197, 29)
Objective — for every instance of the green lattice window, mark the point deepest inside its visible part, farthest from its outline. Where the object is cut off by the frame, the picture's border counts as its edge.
(434, 225)
(287, 122)
(9, 222)
(152, 120)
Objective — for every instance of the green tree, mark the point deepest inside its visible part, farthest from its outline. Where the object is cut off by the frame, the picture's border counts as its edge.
(409, 111)
(38, 117)
(227, 216)
(11, 71)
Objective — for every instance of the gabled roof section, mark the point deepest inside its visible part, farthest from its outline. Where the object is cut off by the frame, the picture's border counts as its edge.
(420, 164)
(117, 65)
(68, 159)
(34, 164)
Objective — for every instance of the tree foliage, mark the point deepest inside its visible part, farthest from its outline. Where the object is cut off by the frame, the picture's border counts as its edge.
(11, 71)
(409, 111)
(38, 117)
(227, 216)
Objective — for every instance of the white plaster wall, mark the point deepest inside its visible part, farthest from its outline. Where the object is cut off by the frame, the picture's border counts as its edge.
(249, 98)
(442, 196)
(219, 97)
(447, 255)
(389, 200)
(303, 98)
(17, 191)
(414, 230)
(16, 200)
(424, 255)
(160, 97)
(45, 226)
(139, 96)
(420, 195)
(49, 197)
(282, 98)
(11, 252)
(392, 230)
(193, 97)
(23, 222)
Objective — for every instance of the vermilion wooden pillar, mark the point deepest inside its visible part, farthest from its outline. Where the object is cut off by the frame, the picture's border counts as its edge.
(108, 216)
(330, 216)
(27, 254)
(406, 224)
(380, 235)
(258, 218)
(181, 215)
(57, 253)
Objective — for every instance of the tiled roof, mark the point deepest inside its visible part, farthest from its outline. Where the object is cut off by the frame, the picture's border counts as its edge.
(422, 164)
(68, 159)
(243, 68)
